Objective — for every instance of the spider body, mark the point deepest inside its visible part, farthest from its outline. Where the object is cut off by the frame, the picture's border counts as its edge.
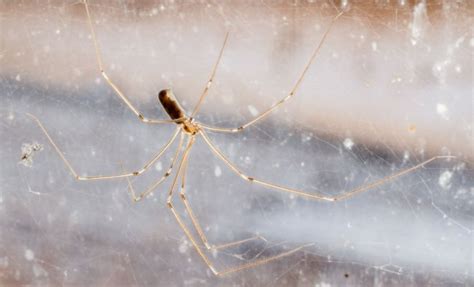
(174, 110)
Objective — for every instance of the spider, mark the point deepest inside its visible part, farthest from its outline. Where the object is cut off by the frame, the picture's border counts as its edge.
(188, 129)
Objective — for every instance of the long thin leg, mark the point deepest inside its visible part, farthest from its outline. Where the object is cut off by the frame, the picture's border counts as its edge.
(101, 177)
(193, 240)
(316, 196)
(289, 96)
(211, 78)
(198, 227)
(111, 83)
(152, 187)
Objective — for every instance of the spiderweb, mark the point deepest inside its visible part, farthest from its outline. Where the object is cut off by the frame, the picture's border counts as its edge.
(391, 87)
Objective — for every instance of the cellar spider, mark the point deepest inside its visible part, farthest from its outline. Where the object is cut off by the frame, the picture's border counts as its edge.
(187, 129)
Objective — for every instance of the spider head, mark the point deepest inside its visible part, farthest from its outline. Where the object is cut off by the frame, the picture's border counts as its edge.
(170, 104)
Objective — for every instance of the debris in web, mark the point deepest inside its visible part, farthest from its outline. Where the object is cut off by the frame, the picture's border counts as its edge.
(28, 151)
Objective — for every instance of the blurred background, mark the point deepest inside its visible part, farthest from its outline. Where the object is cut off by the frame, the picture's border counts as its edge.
(391, 87)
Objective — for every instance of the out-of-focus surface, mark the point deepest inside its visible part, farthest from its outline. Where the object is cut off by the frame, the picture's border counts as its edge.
(392, 86)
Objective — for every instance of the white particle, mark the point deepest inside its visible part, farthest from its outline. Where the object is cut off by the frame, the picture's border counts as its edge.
(58, 31)
(158, 166)
(183, 247)
(348, 143)
(253, 110)
(322, 284)
(374, 46)
(458, 68)
(18, 77)
(445, 179)
(29, 255)
(442, 110)
(217, 171)
(248, 160)
(471, 42)
(406, 155)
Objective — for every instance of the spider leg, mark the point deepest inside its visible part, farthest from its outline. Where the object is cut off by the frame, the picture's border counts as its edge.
(101, 177)
(211, 78)
(111, 83)
(289, 96)
(191, 238)
(150, 189)
(316, 196)
(198, 227)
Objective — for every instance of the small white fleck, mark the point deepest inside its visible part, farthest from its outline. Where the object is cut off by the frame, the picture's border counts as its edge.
(348, 143)
(471, 42)
(183, 247)
(217, 171)
(98, 81)
(58, 31)
(29, 255)
(406, 155)
(442, 110)
(374, 46)
(445, 179)
(458, 68)
(302, 164)
(18, 78)
(253, 111)
(322, 284)
(159, 166)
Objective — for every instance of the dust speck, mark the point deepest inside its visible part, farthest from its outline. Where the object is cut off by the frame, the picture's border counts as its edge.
(217, 171)
(29, 254)
(445, 179)
(27, 152)
(253, 111)
(442, 110)
(348, 143)
(183, 247)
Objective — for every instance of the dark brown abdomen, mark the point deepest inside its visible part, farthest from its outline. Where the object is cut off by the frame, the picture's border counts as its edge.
(170, 104)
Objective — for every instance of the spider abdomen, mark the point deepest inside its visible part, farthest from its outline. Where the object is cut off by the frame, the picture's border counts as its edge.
(171, 105)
